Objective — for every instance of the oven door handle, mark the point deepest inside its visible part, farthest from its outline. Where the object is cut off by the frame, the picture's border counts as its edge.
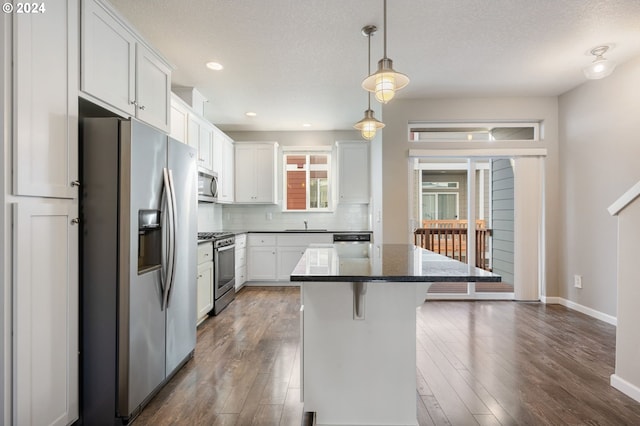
(225, 248)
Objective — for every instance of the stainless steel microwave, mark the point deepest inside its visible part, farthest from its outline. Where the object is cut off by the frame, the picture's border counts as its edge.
(207, 187)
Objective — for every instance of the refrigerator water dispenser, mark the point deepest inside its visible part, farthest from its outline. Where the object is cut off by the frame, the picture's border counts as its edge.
(149, 241)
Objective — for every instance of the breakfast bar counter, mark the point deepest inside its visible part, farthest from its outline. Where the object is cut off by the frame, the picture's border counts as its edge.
(358, 322)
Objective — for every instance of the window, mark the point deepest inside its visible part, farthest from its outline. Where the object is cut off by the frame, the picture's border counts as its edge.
(473, 132)
(440, 206)
(440, 185)
(307, 181)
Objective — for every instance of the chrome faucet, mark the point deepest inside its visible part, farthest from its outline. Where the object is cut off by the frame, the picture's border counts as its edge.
(305, 225)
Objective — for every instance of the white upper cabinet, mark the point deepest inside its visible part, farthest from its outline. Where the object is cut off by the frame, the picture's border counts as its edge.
(226, 176)
(179, 119)
(45, 59)
(200, 136)
(353, 173)
(153, 89)
(255, 172)
(223, 164)
(118, 71)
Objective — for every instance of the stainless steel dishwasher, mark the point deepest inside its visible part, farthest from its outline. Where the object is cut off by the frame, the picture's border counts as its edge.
(353, 244)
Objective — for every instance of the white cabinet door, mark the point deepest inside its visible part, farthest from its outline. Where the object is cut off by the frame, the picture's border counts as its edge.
(179, 120)
(205, 146)
(288, 258)
(200, 137)
(227, 173)
(46, 312)
(193, 133)
(153, 89)
(118, 71)
(218, 140)
(108, 58)
(353, 173)
(255, 173)
(205, 290)
(265, 173)
(244, 175)
(261, 264)
(45, 58)
(241, 260)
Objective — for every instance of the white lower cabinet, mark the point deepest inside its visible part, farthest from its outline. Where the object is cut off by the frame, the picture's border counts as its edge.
(272, 257)
(288, 258)
(46, 312)
(205, 281)
(262, 264)
(241, 260)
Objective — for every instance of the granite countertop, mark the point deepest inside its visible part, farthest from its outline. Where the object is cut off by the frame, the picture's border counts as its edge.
(395, 263)
(302, 231)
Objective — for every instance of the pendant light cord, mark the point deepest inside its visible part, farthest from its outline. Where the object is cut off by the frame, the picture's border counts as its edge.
(385, 28)
(369, 69)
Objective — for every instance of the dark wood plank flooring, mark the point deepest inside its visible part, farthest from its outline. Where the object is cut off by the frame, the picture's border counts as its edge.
(478, 363)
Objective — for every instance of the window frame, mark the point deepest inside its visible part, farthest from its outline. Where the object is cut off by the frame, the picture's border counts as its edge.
(308, 152)
(471, 127)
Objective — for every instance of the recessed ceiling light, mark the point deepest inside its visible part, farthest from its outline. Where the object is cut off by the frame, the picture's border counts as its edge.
(306, 125)
(216, 66)
(250, 114)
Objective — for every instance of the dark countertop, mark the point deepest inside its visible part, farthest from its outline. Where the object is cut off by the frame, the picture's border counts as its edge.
(302, 231)
(396, 263)
(290, 231)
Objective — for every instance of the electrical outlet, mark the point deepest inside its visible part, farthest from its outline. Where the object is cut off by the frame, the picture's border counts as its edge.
(577, 281)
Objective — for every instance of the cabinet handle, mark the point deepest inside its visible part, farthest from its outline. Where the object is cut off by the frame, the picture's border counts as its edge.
(206, 255)
(133, 103)
(142, 107)
(200, 276)
(75, 183)
(75, 221)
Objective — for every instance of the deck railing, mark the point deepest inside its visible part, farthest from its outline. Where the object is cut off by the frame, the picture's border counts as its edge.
(452, 242)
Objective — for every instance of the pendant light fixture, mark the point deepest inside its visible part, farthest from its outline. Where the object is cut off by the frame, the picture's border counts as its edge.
(369, 125)
(386, 80)
(600, 67)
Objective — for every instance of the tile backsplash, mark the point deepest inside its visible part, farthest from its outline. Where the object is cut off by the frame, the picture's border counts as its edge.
(214, 217)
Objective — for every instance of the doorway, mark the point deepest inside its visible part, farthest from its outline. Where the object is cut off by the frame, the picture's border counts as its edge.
(466, 207)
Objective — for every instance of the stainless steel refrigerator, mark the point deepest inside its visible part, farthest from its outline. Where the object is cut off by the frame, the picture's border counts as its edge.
(138, 261)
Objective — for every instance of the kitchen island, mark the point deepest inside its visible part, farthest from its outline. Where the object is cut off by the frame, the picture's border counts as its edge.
(358, 321)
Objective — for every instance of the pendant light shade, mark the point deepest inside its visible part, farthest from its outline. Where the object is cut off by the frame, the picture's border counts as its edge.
(368, 126)
(385, 81)
(600, 67)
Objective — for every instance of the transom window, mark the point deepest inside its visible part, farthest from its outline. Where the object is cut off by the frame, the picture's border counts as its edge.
(307, 181)
(473, 132)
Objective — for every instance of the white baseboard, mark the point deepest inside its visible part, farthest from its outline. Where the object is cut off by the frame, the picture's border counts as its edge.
(625, 387)
(580, 308)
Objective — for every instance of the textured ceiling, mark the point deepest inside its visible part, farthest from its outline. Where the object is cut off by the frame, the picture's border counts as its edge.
(302, 61)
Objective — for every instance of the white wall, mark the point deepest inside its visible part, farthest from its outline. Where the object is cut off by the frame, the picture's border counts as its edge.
(600, 152)
(397, 114)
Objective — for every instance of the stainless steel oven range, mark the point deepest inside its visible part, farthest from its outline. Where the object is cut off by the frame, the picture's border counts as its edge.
(224, 268)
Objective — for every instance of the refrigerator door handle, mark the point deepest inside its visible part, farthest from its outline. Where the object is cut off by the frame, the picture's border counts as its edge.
(169, 260)
(173, 253)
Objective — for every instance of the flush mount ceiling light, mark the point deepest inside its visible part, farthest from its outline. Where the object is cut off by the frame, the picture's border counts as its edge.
(369, 125)
(386, 80)
(600, 67)
(214, 66)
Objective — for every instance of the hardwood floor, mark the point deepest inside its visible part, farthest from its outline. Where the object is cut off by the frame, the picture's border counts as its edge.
(478, 363)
